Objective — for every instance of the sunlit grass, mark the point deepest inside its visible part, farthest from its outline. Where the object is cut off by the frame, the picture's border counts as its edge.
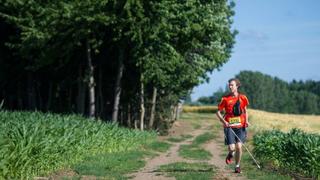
(261, 120)
(179, 139)
(111, 165)
(203, 138)
(158, 146)
(194, 151)
(183, 171)
(199, 109)
(251, 171)
(34, 143)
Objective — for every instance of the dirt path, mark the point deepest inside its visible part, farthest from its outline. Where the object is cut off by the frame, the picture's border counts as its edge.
(171, 156)
(224, 172)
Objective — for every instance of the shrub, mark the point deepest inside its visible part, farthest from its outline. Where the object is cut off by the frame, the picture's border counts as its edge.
(295, 151)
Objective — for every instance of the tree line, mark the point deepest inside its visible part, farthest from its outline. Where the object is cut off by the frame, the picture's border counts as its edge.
(127, 61)
(275, 95)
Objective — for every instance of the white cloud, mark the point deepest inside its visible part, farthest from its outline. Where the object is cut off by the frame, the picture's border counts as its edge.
(253, 35)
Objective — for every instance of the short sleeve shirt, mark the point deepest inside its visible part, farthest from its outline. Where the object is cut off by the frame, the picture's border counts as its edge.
(227, 103)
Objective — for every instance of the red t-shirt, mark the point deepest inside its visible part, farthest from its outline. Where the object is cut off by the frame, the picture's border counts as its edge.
(227, 103)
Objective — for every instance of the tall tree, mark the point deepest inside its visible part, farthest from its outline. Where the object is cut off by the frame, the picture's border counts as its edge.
(138, 47)
(62, 26)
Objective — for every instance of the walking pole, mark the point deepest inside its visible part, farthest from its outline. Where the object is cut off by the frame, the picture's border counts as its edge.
(246, 149)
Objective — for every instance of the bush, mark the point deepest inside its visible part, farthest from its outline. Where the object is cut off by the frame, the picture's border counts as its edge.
(295, 151)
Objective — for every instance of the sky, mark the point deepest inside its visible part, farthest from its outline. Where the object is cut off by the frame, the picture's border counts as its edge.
(280, 38)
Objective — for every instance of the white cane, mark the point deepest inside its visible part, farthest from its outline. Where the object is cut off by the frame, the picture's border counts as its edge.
(246, 149)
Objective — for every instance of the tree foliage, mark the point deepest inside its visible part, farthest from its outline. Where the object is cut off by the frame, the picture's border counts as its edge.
(275, 95)
(167, 45)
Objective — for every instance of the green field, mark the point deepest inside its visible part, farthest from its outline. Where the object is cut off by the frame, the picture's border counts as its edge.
(35, 144)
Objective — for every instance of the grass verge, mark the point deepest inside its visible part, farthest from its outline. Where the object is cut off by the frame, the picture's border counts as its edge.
(179, 139)
(203, 138)
(251, 171)
(183, 171)
(194, 151)
(112, 166)
(158, 146)
(116, 165)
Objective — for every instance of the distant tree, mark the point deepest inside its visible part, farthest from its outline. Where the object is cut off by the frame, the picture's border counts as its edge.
(216, 97)
(188, 99)
(204, 100)
(276, 95)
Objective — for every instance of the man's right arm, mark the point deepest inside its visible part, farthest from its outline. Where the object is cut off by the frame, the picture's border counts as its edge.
(219, 115)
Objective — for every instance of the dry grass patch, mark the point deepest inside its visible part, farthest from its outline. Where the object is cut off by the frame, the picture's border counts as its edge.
(261, 120)
(199, 109)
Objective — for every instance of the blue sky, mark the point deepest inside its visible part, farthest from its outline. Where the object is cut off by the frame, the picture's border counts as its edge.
(276, 37)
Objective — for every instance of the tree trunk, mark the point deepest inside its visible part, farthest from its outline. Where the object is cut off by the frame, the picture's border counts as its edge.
(135, 123)
(91, 83)
(129, 116)
(178, 111)
(142, 106)
(173, 112)
(99, 97)
(153, 107)
(81, 97)
(117, 88)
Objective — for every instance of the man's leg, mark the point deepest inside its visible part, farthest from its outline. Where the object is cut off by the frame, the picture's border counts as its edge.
(230, 141)
(231, 148)
(241, 133)
(238, 152)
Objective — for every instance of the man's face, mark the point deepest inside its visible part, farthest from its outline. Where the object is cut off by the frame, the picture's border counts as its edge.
(233, 86)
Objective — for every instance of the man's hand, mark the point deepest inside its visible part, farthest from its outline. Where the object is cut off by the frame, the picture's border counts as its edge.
(226, 124)
(247, 124)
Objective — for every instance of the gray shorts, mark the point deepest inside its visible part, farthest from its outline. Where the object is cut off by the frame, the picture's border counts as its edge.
(230, 138)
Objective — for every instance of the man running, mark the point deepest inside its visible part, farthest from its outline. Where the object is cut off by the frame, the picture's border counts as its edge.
(235, 119)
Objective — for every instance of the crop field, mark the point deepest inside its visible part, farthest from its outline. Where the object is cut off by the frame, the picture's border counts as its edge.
(262, 120)
(34, 143)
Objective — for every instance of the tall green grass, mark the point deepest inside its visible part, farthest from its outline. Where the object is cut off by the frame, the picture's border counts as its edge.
(296, 151)
(34, 143)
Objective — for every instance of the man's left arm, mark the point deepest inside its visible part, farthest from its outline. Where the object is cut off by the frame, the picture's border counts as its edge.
(247, 116)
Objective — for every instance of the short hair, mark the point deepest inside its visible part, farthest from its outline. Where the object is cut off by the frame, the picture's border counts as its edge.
(235, 80)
